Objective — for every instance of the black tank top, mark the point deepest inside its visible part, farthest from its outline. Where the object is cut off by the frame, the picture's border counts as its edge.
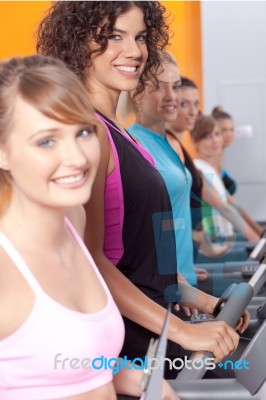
(149, 258)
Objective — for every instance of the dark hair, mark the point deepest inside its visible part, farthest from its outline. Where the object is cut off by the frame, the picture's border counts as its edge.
(219, 113)
(203, 127)
(186, 82)
(68, 28)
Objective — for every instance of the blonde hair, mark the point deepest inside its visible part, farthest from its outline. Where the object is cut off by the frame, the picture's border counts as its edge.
(49, 86)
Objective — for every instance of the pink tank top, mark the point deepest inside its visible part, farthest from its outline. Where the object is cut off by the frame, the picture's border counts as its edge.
(33, 360)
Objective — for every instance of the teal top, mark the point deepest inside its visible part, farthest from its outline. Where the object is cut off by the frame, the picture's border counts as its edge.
(178, 181)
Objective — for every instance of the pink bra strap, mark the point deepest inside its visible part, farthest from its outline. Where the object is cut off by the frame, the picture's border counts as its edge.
(79, 240)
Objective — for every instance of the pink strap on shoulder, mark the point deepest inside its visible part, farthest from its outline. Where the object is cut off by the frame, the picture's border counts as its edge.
(144, 152)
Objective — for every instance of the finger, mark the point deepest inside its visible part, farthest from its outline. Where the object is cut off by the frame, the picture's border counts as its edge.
(239, 324)
(227, 339)
(186, 311)
(202, 277)
(218, 353)
(177, 307)
(246, 320)
(202, 274)
(194, 311)
(234, 337)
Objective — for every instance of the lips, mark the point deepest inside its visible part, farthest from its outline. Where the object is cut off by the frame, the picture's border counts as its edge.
(169, 107)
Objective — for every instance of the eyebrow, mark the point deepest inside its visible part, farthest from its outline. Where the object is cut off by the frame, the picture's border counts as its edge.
(47, 131)
(122, 31)
(179, 81)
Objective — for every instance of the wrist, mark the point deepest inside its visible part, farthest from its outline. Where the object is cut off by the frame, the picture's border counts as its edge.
(210, 305)
(176, 328)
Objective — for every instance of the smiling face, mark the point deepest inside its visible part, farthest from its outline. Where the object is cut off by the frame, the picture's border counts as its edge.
(159, 104)
(210, 145)
(121, 64)
(226, 125)
(50, 163)
(188, 110)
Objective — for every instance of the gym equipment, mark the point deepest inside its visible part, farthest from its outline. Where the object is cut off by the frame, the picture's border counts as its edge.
(246, 385)
(239, 252)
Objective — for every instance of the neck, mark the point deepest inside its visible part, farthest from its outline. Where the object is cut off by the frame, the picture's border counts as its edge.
(156, 126)
(212, 160)
(175, 132)
(219, 163)
(103, 100)
(177, 135)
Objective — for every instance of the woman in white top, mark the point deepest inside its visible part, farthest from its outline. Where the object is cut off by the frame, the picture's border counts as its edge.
(208, 140)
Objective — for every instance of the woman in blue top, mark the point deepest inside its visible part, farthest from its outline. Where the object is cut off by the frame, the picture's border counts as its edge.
(156, 107)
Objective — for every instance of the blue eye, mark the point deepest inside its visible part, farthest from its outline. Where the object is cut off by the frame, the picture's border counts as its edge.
(46, 143)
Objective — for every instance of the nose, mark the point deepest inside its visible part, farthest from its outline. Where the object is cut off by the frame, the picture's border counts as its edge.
(216, 138)
(132, 48)
(171, 94)
(193, 110)
(73, 156)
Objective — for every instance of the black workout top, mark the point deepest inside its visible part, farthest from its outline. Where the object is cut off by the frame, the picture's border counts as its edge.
(196, 191)
(196, 188)
(149, 251)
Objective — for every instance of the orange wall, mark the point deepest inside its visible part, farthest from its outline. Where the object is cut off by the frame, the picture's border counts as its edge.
(19, 21)
(185, 22)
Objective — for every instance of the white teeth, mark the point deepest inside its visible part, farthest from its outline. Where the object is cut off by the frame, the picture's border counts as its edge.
(70, 179)
(170, 107)
(125, 68)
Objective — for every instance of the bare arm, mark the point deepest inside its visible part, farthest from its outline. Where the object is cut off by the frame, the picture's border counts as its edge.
(210, 195)
(249, 220)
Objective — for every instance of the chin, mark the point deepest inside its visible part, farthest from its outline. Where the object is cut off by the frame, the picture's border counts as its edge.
(189, 127)
(78, 199)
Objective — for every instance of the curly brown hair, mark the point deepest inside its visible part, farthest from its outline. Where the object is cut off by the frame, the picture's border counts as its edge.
(69, 26)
